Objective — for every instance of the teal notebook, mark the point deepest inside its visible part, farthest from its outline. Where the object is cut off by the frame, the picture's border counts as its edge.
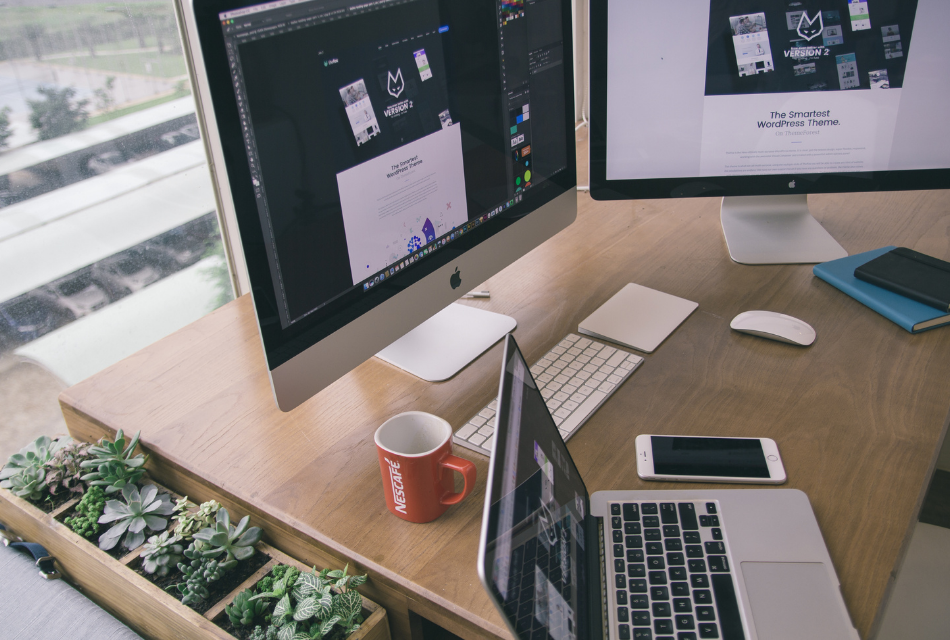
(909, 314)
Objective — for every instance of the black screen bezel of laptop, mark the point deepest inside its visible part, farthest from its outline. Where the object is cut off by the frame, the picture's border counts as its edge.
(592, 525)
(282, 345)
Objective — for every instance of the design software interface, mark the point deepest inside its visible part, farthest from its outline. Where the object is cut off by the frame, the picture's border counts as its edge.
(368, 136)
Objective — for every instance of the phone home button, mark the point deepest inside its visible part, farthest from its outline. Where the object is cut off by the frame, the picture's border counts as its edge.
(772, 458)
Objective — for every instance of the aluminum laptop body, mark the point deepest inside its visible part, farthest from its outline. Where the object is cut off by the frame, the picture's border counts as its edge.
(559, 563)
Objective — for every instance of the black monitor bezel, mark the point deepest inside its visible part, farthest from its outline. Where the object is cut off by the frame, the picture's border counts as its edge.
(762, 185)
(282, 345)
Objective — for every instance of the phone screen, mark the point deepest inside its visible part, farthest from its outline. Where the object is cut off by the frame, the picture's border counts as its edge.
(719, 457)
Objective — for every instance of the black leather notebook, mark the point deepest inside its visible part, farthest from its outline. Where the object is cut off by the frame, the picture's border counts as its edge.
(911, 274)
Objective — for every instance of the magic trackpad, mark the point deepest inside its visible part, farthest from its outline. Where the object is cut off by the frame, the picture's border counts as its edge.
(795, 600)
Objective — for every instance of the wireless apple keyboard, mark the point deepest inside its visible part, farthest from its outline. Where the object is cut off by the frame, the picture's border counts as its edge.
(575, 378)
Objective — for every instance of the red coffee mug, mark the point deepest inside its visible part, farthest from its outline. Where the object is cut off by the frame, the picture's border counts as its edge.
(415, 457)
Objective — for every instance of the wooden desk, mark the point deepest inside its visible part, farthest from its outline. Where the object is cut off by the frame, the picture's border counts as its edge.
(859, 416)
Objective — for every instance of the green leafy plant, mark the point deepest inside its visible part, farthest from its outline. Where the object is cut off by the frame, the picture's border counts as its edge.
(63, 470)
(113, 463)
(161, 553)
(140, 512)
(243, 610)
(236, 543)
(25, 474)
(199, 573)
(57, 113)
(313, 605)
(191, 522)
(88, 510)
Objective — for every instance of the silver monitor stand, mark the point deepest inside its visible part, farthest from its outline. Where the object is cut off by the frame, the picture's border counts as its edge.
(775, 230)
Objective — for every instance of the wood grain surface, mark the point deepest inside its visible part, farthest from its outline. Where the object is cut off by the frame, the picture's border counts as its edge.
(858, 417)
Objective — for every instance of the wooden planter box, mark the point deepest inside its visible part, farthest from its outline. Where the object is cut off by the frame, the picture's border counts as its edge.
(132, 598)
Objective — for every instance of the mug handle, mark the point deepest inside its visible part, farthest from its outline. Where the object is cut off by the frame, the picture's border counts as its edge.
(467, 469)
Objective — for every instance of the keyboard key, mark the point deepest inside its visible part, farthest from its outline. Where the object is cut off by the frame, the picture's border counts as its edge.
(671, 531)
(617, 535)
(726, 605)
(718, 564)
(623, 632)
(716, 533)
(639, 602)
(668, 513)
(651, 521)
(638, 585)
(633, 542)
(651, 534)
(641, 618)
(618, 550)
(705, 614)
(694, 551)
(714, 548)
(680, 589)
(659, 593)
(641, 633)
(704, 596)
(711, 508)
(661, 610)
(649, 508)
(615, 522)
(672, 544)
(675, 559)
(656, 562)
(466, 430)
(663, 626)
(654, 548)
(696, 566)
(708, 630)
(631, 528)
(685, 635)
(620, 581)
(709, 521)
(657, 577)
(631, 512)
(684, 623)
(623, 614)
(634, 555)
(699, 581)
(688, 516)
(621, 597)
(691, 537)
(619, 565)
(637, 571)
(677, 573)
(682, 605)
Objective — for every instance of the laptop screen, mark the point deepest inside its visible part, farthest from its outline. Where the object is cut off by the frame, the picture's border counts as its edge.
(535, 538)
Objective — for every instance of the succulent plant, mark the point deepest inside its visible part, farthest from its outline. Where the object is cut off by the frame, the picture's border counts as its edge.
(24, 473)
(113, 464)
(191, 522)
(63, 470)
(140, 512)
(88, 510)
(236, 543)
(161, 553)
(199, 573)
(243, 611)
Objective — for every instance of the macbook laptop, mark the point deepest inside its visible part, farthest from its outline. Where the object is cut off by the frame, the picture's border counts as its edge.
(560, 563)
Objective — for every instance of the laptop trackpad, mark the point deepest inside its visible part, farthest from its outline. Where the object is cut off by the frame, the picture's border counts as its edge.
(795, 600)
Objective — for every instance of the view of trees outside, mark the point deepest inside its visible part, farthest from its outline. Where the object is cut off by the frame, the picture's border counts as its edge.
(108, 234)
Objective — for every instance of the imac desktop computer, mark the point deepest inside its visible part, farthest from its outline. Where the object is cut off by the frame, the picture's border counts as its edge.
(382, 158)
(763, 102)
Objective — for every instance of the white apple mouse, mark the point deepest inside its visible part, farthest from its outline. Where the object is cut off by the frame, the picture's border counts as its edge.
(774, 326)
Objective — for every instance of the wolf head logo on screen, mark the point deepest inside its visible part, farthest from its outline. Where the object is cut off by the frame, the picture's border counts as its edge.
(394, 84)
(807, 27)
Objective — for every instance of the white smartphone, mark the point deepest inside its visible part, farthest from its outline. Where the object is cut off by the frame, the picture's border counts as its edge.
(709, 459)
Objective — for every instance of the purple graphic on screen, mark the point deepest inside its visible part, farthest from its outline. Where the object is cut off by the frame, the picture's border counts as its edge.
(428, 231)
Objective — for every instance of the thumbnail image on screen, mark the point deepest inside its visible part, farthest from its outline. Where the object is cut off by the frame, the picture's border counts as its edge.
(828, 46)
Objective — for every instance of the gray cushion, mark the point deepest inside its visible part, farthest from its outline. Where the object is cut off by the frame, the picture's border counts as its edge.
(34, 609)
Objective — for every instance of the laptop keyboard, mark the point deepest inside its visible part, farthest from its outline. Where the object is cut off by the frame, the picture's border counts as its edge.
(575, 378)
(669, 572)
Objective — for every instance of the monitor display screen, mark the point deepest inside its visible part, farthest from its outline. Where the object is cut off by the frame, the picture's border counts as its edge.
(369, 143)
(736, 88)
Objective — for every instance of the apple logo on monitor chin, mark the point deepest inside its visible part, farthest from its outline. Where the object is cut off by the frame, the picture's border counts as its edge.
(791, 185)
(456, 279)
